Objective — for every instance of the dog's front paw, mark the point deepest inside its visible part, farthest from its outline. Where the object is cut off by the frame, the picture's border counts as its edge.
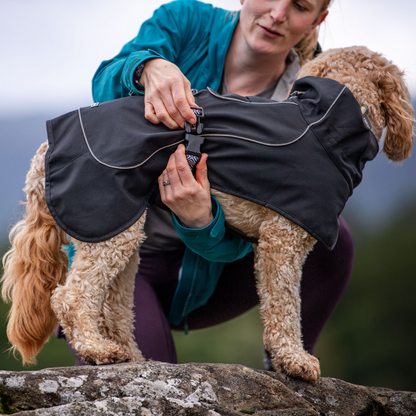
(299, 364)
(104, 353)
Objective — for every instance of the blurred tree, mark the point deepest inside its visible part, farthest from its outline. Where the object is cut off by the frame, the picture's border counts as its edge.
(238, 341)
(371, 339)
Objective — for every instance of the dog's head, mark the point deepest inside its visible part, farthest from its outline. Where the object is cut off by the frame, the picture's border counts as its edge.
(376, 83)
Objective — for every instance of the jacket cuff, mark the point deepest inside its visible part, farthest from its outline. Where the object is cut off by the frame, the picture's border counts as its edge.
(203, 238)
(132, 62)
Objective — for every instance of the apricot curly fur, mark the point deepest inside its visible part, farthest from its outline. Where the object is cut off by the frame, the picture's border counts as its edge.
(376, 83)
(94, 302)
(33, 267)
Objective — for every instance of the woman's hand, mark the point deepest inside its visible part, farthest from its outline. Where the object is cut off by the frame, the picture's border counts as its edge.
(167, 94)
(188, 197)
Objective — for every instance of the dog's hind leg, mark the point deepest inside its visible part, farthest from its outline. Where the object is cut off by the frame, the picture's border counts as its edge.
(78, 303)
(117, 318)
(281, 252)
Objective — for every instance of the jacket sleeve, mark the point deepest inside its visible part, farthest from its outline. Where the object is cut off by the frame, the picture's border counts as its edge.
(212, 242)
(161, 36)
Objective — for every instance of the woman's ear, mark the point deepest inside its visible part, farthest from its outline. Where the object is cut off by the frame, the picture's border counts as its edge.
(321, 17)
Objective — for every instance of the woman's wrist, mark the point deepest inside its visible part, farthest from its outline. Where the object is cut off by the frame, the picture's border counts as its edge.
(215, 215)
(137, 76)
(147, 66)
(198, 223)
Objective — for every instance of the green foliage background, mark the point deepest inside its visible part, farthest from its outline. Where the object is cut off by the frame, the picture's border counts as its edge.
(369, 340)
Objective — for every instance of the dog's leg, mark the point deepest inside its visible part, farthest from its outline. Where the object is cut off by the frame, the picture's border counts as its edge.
(79, 302)
(281, 252)
(117, 318)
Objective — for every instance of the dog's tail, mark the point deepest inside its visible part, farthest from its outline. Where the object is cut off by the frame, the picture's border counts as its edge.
(33, 267)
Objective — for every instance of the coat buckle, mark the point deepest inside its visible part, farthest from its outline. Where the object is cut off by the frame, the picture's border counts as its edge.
(194, 141)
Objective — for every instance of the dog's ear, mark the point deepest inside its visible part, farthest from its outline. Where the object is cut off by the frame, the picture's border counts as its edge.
(399, 114)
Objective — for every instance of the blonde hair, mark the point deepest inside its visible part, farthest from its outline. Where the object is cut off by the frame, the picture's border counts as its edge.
(307, 46)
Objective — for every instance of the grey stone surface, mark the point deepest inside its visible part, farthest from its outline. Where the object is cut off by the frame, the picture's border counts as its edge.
(154, 388)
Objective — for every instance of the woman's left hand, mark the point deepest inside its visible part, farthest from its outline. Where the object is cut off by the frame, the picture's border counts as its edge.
(188, 197)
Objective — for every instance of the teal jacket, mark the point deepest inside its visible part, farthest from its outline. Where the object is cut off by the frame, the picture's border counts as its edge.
(195, 36)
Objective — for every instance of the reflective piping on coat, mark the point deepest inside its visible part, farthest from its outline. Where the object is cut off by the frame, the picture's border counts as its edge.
(120, 167)
(213, 134)
(271, 102)
(278, 144)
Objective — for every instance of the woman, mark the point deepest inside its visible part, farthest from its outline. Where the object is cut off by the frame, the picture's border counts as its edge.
(191, 44)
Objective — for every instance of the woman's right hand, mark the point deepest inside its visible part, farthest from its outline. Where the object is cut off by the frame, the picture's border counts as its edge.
(167, 94)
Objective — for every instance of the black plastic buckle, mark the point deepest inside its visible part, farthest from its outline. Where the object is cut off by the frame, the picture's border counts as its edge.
(198, 126)
(194, 144)
(194, 141)
(193, 138)
(294, 94)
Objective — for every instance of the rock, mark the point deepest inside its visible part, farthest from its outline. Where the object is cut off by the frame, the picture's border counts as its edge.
(154, 388)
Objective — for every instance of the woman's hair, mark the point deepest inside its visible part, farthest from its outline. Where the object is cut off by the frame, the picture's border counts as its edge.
(307, 46)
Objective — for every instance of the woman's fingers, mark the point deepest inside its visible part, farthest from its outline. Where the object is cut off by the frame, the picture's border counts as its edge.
(156, 112)
(182, 172)
(182, 100)
(188, 198)
(182, 167)
(173, 175)
(165, 187)
(179, 174)
(168, 94)
(171, 107)
(149, 113)
(201, 173)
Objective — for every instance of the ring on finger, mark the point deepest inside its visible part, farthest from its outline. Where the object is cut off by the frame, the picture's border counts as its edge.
(164, 183)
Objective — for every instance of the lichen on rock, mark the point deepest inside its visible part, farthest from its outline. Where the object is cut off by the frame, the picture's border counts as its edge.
(153, 388)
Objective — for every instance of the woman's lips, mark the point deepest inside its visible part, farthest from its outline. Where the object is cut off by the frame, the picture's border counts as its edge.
(269, 32)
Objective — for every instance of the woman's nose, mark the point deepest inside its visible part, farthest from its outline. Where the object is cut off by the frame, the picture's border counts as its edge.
(279, 10)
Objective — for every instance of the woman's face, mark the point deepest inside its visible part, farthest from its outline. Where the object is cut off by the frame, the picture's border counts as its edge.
(276, 26)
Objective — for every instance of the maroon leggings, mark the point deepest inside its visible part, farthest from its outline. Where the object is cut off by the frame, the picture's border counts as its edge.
(325, 277)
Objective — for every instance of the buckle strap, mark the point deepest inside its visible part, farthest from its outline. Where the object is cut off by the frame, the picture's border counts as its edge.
(194, 141)
(198, 126)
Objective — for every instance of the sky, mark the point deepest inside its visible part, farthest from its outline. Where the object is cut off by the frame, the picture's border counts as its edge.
(50, 49)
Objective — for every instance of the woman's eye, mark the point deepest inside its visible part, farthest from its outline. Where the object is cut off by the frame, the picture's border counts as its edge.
(300, 6)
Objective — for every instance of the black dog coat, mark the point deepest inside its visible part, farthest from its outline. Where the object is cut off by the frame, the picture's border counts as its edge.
(301, 157)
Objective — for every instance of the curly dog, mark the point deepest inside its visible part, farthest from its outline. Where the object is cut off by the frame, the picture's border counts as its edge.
(93, 302)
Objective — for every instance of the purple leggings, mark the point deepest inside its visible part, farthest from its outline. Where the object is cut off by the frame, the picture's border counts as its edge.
(325, 277)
